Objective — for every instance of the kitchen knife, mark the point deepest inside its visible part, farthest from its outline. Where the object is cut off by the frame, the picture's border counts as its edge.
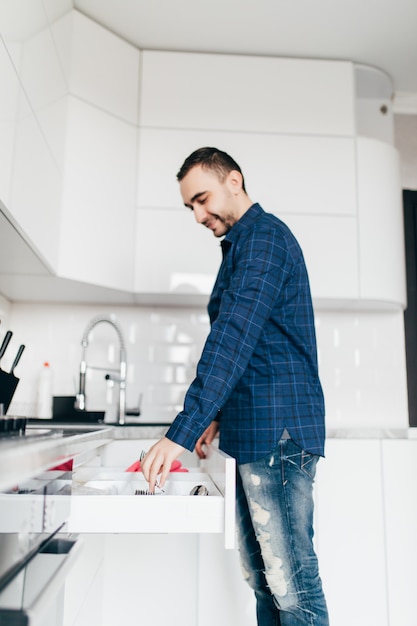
(17, 358)
(5, 343)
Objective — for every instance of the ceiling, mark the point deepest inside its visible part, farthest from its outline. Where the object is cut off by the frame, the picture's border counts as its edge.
(379, 33)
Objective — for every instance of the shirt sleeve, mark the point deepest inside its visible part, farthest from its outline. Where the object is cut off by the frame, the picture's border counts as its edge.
(261, 265)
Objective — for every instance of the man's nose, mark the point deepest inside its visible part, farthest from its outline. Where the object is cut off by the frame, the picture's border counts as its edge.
(200, 214)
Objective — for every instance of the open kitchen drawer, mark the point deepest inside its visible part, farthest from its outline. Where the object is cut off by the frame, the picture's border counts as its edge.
(99, 496)
(103, 496)
(33, 506)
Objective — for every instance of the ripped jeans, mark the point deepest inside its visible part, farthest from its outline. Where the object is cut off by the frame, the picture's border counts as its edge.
(275, 533)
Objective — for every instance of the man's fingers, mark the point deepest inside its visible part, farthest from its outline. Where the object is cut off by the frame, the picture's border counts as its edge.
(157, 462)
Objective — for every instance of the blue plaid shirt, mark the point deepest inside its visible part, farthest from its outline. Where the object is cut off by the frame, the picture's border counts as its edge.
(258, 371)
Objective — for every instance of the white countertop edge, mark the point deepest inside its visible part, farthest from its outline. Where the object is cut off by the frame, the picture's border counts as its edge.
(371, 433)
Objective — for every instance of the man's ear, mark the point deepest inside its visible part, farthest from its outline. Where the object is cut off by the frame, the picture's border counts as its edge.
(234, 181)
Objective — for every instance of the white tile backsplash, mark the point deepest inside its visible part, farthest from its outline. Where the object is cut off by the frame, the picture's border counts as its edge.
(361, 359)
(362, 368)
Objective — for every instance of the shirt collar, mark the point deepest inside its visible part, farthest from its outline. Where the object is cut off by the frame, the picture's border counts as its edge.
(247, 219)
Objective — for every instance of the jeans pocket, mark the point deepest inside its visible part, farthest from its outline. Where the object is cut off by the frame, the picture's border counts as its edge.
(308, 463)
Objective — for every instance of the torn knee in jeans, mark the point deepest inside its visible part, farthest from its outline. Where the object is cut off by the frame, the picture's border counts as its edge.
(260, 515)
(255, 480)
(274, 572)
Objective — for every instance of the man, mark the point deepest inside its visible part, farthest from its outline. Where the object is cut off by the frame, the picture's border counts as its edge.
(257, 384)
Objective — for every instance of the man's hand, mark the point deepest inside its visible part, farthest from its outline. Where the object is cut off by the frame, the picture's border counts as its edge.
(158, 460)
(206, 439)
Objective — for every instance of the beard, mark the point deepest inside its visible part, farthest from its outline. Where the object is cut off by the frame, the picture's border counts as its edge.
(225, 223)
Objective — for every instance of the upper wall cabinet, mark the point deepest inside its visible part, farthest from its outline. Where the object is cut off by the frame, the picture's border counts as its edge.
(308, 181)
(183, 265)
(313, 139)
(94, 131)
(380, 223)
(30, 181)
(242, 93)
(305, 175)
(98, 200)
(98, 66)
(69, 123)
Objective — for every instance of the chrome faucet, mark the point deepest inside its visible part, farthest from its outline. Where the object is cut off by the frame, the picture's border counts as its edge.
(120, 378)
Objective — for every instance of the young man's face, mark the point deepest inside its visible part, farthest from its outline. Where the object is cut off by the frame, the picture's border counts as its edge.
(213, 202)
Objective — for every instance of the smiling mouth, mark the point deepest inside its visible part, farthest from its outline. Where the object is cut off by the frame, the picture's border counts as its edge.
(211, 224)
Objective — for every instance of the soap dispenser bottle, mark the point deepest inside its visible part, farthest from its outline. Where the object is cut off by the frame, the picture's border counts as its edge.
(44, 396)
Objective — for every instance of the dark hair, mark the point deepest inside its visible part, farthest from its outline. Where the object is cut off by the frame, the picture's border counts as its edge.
(210, 159)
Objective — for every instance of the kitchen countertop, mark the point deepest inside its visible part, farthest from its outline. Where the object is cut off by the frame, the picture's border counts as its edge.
(371, 433)
(22, 457)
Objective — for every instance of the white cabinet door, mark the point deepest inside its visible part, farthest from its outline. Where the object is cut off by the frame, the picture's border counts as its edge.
(381, 236)
(174, 254)
(99, 67)
(83, 599)
(307, 181)
(97, 234)
(285, 173)
(9, 104)
(220, 576)
(151, 580)
(350, 532)
(246, 93)
(400, 504)
(71, 183)
(330, 250)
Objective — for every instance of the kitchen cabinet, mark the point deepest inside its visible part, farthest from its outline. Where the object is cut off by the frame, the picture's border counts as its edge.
(9, 104)
(97, 236)
(330, 250)
(187, 261)
(400, 512)
(120, 547)
(308, 173)
(84, 587)
(380, 223)
(73, 135)
(296, 174)
(36, 189)
(332, 190)
(30, 183)
(16, 256)
(365, 519)
(152, 579)
(99, 67)
(246, 93)
(97, 141)
(350, 533)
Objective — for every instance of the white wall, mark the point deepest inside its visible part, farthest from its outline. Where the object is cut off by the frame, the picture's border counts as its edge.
(361, 359)
(405, 131)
